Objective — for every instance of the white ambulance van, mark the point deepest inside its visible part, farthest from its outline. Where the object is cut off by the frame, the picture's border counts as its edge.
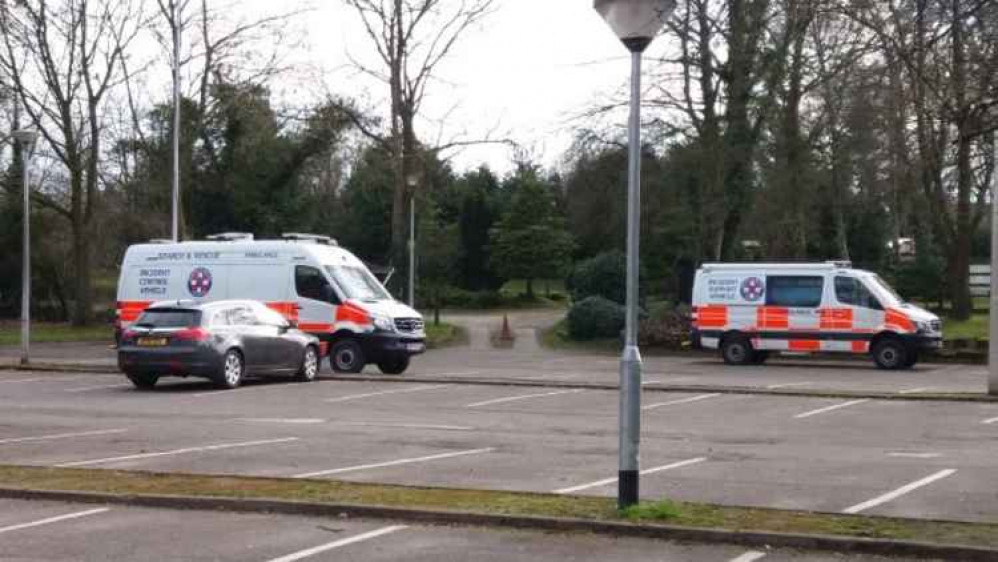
(315, 284)
(750, 310)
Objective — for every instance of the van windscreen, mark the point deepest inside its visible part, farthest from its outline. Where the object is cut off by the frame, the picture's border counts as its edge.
(357, 283)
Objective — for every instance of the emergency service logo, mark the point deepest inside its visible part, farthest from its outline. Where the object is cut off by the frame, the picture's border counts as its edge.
(753, 289)
(199, 283)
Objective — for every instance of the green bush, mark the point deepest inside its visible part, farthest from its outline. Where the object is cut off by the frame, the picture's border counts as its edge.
(601, 276)
(667, 327)
(595, 317)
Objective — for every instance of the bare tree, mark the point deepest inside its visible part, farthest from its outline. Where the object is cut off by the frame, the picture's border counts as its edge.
(411, 38)
(62, 58)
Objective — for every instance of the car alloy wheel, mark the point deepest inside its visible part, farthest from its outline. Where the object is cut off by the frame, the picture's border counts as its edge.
(232, 369)
(310, 365)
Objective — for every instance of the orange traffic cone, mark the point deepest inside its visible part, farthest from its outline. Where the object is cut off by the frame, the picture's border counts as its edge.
(506, 334)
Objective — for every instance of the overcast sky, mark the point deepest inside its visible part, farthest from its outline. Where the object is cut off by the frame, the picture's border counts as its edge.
(525, 72)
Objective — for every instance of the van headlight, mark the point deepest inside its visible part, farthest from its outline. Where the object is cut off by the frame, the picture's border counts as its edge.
(383, 323)
(923, 327)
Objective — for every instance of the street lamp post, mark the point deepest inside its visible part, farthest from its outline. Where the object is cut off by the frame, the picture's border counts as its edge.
(27, 140)
(411, 180)
(993, 331)
(636, 23)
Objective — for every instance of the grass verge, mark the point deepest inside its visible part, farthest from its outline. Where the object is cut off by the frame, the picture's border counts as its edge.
(556, 337)
(41, 332)
(974, 328)
(443, 335)
(496, 502)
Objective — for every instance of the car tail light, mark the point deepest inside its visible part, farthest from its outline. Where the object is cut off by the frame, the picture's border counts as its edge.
(192, 333)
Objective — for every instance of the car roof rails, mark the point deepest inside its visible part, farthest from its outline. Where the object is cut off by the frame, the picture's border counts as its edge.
(305, 237)
(230, 237)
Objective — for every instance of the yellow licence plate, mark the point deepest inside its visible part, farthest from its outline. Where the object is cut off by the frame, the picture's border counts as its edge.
(152, 342)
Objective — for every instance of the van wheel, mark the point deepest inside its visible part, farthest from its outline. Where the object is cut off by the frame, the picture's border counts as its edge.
(912, 359)
(232, 371)
(347, 356)
(394, 366)
(143, 381)
(890, 354)
(759, 357)
(309, 365)
(737, 350)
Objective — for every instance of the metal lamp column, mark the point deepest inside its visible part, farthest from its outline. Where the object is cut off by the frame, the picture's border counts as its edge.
(993, 328)
(636, 23)
(27, 141)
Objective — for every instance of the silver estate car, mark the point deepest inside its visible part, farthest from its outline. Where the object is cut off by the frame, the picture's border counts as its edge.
(224, 341)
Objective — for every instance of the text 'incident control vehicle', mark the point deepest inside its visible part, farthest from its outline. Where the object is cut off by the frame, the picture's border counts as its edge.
(309, 279)
(224, 341)
(752, 309)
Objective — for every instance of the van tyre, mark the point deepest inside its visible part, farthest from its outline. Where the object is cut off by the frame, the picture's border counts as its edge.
(347, 356)
(737, 350)
(891, 354)
(394, 366)
(233, 370)
(759, 357)
(143, 381)
(912, 359)
(309, 369)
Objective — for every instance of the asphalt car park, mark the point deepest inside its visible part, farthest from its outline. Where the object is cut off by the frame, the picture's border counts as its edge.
(925, 459)
(28, 530)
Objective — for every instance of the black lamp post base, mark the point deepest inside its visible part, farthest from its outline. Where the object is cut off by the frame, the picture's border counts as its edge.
(627, 492)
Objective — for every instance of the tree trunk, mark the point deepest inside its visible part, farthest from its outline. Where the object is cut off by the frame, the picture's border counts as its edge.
(530, 289)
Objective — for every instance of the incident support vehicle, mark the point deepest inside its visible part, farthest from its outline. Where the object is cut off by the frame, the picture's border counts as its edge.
(320, 287)
(748, 310)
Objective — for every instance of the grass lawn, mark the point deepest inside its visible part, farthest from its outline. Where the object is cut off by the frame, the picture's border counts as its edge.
(443, 334)
(973, 329)
(41, 332)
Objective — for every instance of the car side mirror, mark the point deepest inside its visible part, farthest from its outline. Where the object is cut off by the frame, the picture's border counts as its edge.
(292, 324)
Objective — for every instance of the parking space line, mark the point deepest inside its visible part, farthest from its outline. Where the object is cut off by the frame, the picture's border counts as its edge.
(19, 380)
(394, 463)
(606, 481)
(900, 491)
(292, 421)
(830, 408)
(61, 436)
(139, 456)
(915, 390)
(915, 455)
(408, 425)
(340, 543)
(523, 397)
(56, 519)
(680, 401)
(750, 556)
(788, 385)
(97, 387)
(384, 393)
(990, 421)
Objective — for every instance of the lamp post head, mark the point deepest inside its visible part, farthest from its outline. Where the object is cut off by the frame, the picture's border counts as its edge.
(635, 22)
(26, 137)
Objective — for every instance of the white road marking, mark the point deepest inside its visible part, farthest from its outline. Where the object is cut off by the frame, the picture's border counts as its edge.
(394, 463)
(750, 556)
(457, 374)
(56, 519)
(696, 398)
(650, 382)
(830, 408)
(915, 455)
(408, 425)
(19, 380)
(384, 392)
(61, 436)
(97, 387)
(337, 544)
(607, 481)
(293, 421)
(990, 421)
(915, 390)
(788, 385)
(139, 456)
(900, 491)
(523, 397)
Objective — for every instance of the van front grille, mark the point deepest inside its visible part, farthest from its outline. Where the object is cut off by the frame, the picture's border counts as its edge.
(409, 325)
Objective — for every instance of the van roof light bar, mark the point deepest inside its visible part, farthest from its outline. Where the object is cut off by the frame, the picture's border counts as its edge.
(305, 237)
(230, 237)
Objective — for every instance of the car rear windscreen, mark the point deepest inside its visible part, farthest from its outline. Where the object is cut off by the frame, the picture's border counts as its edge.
(169, 318)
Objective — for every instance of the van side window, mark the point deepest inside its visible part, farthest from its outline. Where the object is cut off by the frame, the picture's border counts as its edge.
(849, 290)
(310, 283)
(794, 291)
